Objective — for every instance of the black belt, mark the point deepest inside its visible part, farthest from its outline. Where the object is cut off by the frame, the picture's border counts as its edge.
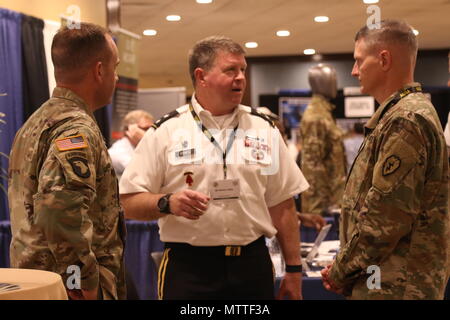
(230, 251)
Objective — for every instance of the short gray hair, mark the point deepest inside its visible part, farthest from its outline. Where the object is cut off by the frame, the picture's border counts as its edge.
(390, 32)
(204, 52)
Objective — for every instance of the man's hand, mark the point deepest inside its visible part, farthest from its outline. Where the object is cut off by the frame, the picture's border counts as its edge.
(78, 294)
(291, 286)
(189, 204)
(311, 220)
(134, 134)
(327, 282)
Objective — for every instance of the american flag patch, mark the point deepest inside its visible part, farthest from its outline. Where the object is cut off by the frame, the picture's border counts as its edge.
(71, 143)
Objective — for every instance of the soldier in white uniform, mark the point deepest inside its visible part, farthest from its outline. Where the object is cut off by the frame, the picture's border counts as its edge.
(219, 178)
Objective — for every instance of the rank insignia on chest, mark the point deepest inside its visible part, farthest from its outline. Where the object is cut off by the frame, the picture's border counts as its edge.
(71, 143)
(189, 179)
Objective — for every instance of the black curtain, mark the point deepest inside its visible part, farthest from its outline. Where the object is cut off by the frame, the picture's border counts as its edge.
(34, 71)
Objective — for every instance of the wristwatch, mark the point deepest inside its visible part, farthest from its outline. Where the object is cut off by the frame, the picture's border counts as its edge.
(164, 204)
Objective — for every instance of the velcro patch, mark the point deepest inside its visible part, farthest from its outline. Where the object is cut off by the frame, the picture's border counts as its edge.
(390, 165)
(80, 167)
(71, 143)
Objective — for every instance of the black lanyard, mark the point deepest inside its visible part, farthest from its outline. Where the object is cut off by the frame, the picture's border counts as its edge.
(399, 96)
(214, 141)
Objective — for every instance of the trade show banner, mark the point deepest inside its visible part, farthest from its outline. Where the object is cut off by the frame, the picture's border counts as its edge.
(125, 96)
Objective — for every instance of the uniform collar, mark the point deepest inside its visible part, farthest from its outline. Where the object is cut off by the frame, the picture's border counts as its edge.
(64, 93)
(205, 115)
(373, 121)
(320, 102)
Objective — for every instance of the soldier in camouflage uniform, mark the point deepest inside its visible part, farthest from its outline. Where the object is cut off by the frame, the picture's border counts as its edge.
(323, 156)
(395, 205)
(63, 192)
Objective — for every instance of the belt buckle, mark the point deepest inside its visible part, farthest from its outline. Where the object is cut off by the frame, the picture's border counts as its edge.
(232, 251)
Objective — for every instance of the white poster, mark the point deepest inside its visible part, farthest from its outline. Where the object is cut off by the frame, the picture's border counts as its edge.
(359, 107)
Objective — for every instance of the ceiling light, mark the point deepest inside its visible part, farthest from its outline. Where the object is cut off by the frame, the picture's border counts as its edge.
(416, 32)
(321, 19)
(283, 33)
(309, 51)
(251, 45)
(204, 1)
(370, 1)
(150, 32)
(173, 17)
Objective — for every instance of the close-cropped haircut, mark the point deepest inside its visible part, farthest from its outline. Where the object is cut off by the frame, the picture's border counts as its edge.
(204, 52)
(76, 49)
(391, 32)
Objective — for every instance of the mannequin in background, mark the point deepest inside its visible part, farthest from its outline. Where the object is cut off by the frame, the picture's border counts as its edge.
(134, 126)
(323, 157)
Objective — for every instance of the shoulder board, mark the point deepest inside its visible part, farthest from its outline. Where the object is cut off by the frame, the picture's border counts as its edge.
(164, 118)
(262, 115)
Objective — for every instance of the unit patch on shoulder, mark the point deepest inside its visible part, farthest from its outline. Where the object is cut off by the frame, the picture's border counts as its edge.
(80, 167)
(71, 143)
(391, 164)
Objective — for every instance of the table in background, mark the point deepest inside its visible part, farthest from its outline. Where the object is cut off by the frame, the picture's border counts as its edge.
(34, 285)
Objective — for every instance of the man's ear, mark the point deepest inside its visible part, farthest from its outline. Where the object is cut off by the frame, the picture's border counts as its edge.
(98, 71)
(385, 58)
(199, 75)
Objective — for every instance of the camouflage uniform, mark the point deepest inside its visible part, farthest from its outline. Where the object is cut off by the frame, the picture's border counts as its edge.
(323, 157)
(63, 197)
(395, 206)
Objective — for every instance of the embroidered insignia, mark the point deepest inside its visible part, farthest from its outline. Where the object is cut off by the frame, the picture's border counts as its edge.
(257, 154)
(80, 167)
(71, 143)
(189, 180)
(391, 164)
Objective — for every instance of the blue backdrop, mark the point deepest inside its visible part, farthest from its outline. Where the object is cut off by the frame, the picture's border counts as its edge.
(11, 106)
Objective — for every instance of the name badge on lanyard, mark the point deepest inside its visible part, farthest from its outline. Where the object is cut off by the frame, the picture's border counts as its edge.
(228, 189)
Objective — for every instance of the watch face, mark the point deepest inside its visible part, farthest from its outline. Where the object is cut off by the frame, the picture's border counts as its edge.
(163, 204)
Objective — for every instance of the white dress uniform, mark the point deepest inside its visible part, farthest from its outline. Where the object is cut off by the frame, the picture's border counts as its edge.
(121, 152)
(178, 155)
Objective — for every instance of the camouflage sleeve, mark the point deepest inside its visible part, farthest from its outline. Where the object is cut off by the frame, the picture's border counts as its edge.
(314, 150)
(66, 190)
(391, 204)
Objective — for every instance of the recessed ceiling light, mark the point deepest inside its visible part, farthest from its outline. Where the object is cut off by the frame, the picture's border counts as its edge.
(321, 19)
(309, 51)
(204, 1)
(370, 1)
(251, 45)
(283, 33)
(173, 17)
(150, 32)
(416, 32)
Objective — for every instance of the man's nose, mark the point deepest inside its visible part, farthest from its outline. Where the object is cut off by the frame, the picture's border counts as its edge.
(355, 71)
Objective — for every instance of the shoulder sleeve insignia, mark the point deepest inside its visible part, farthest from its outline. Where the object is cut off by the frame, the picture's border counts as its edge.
(164, 118)
(71, 143)
(80, 167)
(390, 165)
(262, 115)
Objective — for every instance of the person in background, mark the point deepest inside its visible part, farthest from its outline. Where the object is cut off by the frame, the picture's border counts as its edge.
(323, 155)
(307, 219)
(219, 178)
(63, 192)
(395, 224)
(134, 126)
